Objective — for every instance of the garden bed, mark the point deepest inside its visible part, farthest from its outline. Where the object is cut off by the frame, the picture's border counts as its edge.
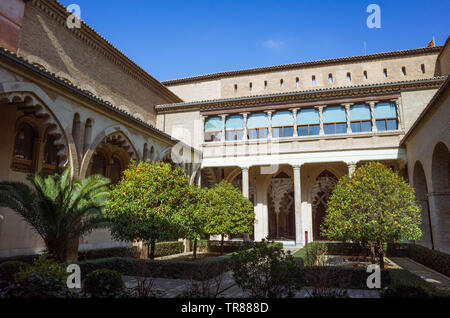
(202, 269)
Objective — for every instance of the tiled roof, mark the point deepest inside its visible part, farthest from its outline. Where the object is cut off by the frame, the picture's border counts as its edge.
(60, 81)
(58, 12)
(273, 97)
(284, 67)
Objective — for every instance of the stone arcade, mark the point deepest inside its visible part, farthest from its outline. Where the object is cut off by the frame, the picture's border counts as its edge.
(283, 134)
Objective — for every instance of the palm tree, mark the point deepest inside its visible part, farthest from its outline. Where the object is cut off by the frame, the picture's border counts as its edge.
(58, 208)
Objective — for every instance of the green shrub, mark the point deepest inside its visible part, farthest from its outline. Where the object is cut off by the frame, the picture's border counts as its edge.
(122, 251)
(104, 283)
(404, 291)
(212, 266)
(9, 269)
(168, 248)
(265, 271)
(436, 260)
(313, 253)
(29, 259)
(43, 279)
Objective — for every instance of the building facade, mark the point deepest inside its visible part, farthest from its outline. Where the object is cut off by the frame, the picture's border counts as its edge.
(283, 134)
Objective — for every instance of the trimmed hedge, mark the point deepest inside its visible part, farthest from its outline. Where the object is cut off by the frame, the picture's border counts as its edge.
(436, 260)
(168, 248)
(122, 251)
(355, 278)
(353, 249)
(10, 268)
(213, 246)
(103, 283)
(196, 270)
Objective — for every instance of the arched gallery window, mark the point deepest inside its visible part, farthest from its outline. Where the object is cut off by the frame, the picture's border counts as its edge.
(386, 116)
(234, 126)
(334, 120)
(50, 155)
(115, 170)
(308, 122)
(98, 164)
(257, 125)
(213, 129)
(283, 124)
(24, 148)
(360, 119)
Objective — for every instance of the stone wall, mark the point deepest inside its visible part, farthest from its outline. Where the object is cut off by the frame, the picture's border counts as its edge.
(88, 62)
(224, 86)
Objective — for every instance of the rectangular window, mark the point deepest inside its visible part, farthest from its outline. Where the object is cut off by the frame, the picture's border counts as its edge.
(386, 124)
(213, 136)
(258, 133)
(361, 126)
(235, 134)
(335, 128)
(308, 130)
(285, 131)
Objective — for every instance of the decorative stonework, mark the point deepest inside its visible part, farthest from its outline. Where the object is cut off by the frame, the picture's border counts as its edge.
(34, 106)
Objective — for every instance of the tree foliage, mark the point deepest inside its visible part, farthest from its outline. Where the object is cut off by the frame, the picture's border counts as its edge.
(150, 203)
(58, 208)
(374, 206)
(228, 211)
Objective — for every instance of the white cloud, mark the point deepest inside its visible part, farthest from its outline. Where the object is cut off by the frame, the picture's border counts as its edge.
(273, 45)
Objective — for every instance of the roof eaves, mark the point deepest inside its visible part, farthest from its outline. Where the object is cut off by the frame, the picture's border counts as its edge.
(442, 89)
(19, 60)
(274, 68)
(318, 90)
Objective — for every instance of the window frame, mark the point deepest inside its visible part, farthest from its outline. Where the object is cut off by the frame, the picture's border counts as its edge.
(283, 134)
(257, 132)
(385, 120)
(360, 122)
(309, 129)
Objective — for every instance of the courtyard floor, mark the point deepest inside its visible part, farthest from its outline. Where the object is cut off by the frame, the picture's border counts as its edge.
(173, 287)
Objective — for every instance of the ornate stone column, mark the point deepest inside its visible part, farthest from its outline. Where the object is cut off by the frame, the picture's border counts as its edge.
(224, 117)
(298, 205)
(347, 115)
(269, 116)
(202, 129)
(351, 167)
(320, 108)
(372, 115)
(244, 116)
(245, 191)
(401, 122)
(294, 113)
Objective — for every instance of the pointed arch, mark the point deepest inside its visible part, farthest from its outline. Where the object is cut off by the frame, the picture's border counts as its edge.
(115, 133)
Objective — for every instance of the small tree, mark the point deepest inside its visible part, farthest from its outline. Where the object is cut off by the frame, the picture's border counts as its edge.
(191, 215)
(228, 211)
(59, 208)
(146, 203)
(372, 207)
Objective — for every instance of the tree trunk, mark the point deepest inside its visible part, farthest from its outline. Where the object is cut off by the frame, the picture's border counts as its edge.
(152, 249)
(195, 248)
(372, 252)
(221, 244)
(380, 253)
(72, 251)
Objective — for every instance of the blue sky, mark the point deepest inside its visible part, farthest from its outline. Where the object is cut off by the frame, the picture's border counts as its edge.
(174, 39)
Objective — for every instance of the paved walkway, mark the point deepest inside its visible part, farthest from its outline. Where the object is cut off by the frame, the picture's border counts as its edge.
(173, 287)
(436, 279)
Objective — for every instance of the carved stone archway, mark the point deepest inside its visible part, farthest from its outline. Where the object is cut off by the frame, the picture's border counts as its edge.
(321, 191)
(281, 206)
